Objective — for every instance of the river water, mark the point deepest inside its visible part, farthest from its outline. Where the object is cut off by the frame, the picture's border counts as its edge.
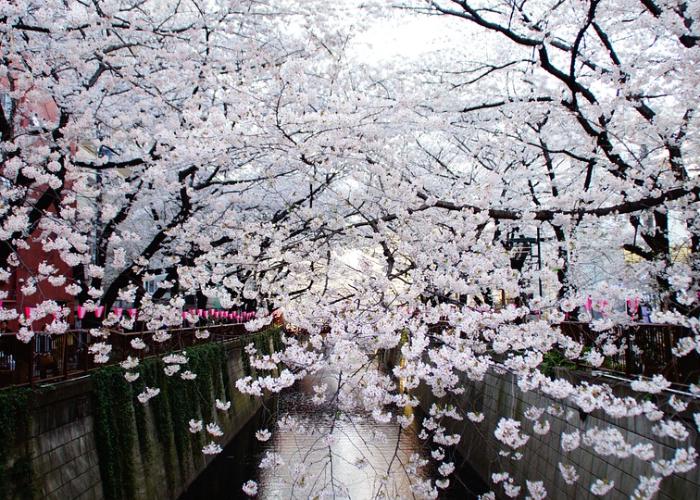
(362, 460)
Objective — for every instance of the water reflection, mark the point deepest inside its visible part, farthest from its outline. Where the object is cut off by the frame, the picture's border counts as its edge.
(362, 459)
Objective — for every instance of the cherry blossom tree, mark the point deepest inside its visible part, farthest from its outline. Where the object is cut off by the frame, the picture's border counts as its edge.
(154, 111)
(589, 123)
(570, 125)
(242, 151)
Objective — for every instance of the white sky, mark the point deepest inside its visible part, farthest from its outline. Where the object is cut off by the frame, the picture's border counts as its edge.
(410, 36)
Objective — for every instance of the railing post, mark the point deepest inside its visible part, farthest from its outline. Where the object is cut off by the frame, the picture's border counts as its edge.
(629, 353)
(86, 353)
(64, 357)
(30, 362)
(672, 334)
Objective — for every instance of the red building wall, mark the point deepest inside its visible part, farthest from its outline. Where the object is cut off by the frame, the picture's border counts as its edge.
(31, 108)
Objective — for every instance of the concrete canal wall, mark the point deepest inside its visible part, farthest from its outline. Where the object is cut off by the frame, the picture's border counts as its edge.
(90, 439)
(498, 396)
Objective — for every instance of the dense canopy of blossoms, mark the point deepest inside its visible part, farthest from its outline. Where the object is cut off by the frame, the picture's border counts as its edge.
(251, 153)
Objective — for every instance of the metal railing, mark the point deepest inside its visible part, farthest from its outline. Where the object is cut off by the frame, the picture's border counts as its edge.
(647, 349)
(49, 358)
(46, 358)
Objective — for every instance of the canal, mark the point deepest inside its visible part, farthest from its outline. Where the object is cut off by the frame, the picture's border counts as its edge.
(362, 459)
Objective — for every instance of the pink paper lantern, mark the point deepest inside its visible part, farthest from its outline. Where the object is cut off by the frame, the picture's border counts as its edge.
(132, 312)
(27, 312)
(200, 312)
(81, 312)
(633, 306)
(119, 311)
(98, 311)
(602, 304)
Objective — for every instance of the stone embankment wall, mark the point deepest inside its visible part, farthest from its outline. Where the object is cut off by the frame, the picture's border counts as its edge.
(498, 396)
(89, 438)
(61, 446)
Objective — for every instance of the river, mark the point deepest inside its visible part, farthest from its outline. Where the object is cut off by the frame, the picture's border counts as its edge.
(363, 459)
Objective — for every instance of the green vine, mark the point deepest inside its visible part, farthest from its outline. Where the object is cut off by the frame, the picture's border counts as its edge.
(121, 421)
(555, 359)
(115, 431)
(245, 359)
(152, 373)
(261, 341)
(15, 479)
(277, 343)
(261, 345)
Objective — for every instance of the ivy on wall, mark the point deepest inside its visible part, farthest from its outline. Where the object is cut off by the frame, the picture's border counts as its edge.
(15, 477)
(277, 344)
(121, 421)
(127, 433)
(261, 342)
(245, 360)
(115, 431)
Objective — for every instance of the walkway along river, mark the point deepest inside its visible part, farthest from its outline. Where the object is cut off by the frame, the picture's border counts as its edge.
(363, 459)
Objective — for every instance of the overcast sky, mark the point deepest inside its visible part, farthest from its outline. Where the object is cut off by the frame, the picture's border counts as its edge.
(410, 35)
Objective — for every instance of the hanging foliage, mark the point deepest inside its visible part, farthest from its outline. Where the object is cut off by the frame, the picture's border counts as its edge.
(121, 421)
(15, 472)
